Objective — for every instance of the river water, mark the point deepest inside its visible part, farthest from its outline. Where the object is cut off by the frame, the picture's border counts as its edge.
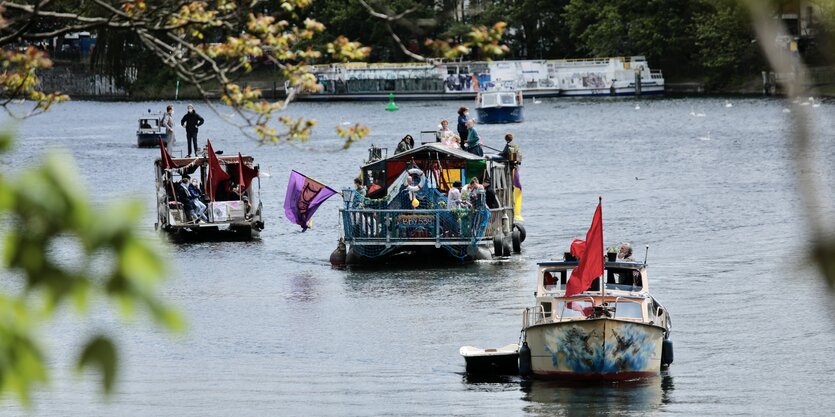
(273, 330)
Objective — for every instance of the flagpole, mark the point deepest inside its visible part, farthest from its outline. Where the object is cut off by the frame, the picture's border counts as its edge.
(602, 277)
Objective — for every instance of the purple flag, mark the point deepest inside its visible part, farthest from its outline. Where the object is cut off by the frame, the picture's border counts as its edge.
(516, 181)
(304, 196)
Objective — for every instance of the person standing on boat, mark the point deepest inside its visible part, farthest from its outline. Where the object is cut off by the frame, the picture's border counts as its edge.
(462, 122)
(168, 123)
(473, 140)
(405, 144)
(191, 121)
(453, 197)
(511, 150)
(358, 187)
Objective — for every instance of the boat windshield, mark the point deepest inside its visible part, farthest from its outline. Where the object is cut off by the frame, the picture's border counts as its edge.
(574, 308)
(148, 123)
(627, 309)
(507, 99)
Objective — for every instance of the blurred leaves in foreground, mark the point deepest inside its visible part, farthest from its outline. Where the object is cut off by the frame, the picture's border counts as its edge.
(46, 207)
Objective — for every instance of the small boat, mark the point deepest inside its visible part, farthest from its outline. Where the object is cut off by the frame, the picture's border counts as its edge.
(615, 330)
(150, 131)
(492, 361)
(405, 214)
(500, 107)
(233, 211)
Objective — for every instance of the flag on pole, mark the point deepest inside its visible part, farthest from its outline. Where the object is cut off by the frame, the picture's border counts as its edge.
(591, 258)
(245, 174)
(167, 162)
(303, 198)
(517, 196)
(216, 173)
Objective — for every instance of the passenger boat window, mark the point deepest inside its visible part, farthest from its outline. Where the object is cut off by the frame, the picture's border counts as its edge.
(555, 280)
(507, 99)
(488, 100)
(623, 279)
(627, 310)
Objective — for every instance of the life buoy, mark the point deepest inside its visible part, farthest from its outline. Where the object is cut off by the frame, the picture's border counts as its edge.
(418, 185)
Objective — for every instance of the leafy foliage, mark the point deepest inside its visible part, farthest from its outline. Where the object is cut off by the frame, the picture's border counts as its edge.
(46, 206)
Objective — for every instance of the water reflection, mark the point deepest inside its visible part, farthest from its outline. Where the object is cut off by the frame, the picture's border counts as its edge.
(548, 398)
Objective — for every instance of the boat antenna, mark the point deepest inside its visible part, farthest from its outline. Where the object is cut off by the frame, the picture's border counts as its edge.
(646, 253)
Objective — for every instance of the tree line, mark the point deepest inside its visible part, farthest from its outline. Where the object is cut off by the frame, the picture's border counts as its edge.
(710, 40)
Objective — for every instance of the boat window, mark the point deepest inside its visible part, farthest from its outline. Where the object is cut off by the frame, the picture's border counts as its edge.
(546, 309)
(627, 309)
(574, 308)
(507, 99)
(623, 279)
(554, 280)
(488, 100)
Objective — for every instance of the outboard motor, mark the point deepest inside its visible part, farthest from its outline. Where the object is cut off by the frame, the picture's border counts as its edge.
(525, 360)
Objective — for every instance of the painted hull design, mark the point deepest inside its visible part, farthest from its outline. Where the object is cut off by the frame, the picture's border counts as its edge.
(596, 349)
(504, 114)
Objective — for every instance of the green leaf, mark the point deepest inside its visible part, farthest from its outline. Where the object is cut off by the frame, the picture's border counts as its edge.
(100, 352)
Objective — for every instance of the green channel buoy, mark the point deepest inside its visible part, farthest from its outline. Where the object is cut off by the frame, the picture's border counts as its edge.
(392, 106)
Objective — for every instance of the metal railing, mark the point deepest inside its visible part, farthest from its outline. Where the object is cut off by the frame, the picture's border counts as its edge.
(421, 226)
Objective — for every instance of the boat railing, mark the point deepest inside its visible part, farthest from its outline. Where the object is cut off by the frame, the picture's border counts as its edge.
(421, 226)
(656, 75)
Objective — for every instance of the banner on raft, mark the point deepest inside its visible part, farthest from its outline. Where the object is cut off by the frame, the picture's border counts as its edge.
(303, 198)
(517, 196)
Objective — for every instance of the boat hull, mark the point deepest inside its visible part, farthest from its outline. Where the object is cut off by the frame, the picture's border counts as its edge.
(418, 254)
(151, 140)
(504, 114)
(595, 349)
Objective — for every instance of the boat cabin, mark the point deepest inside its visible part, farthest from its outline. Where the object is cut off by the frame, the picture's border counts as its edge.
(622, 292)
(499, 99)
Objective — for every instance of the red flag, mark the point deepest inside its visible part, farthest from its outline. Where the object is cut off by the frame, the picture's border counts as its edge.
(591, 260)
(167, 162)
(245, 174)
(216, 173)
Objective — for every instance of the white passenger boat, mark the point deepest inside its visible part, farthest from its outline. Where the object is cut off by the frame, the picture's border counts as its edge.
(613, 331)
(463, 80)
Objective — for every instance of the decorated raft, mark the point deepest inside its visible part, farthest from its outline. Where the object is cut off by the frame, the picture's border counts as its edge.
(405, 210)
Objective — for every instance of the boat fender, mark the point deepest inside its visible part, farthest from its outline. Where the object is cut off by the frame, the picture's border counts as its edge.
(507, 245)
(521, 229)
(497, 245)
(667, 353)
(418, 184)
(525, 359)
(517, 241)
(339, 255)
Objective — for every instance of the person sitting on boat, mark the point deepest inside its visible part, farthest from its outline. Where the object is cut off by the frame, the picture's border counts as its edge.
(455, 142)
(511, 150)
(473, 140)
(443, 132)
(463, 112)
(625, 252)
(185, 198)
(197, 199)
(405, 144)
(358, 187)
(453, 197)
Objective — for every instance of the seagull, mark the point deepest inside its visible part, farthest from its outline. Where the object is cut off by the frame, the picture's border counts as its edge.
(639, 179)
(728, 104)
(706, 137)
(692, 111)
(346, 123)
(816, 105)
(535, 101)
(700, 114)
(637, 106)
(786, 111)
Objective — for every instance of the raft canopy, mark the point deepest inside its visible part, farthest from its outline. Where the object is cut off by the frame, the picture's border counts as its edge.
(457, 164)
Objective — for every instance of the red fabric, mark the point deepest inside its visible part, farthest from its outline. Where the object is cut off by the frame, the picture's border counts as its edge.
(577, 248)
(216, 173)
(167, 162)
(591, 260)
(245, 174)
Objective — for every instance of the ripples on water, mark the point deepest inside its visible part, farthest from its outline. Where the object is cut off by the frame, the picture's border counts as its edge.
(274, 331)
